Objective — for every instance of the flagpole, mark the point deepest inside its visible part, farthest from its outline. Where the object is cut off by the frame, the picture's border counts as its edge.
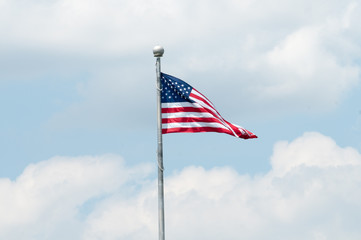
(158, 53)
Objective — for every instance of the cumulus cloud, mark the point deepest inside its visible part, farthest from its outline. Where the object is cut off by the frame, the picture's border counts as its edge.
(312, 191)
(311, 150)
(46, 200)
(298, 57)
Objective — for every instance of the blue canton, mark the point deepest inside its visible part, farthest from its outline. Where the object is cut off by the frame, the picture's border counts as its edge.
(174, 89)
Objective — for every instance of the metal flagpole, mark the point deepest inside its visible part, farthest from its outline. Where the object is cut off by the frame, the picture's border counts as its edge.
(158, 53)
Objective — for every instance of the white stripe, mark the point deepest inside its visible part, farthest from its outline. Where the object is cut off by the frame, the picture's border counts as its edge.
(240, 129)
(192, 125)
(180, 104)
(204, 105)
(195, 92)
(187, 114)
(199, 104)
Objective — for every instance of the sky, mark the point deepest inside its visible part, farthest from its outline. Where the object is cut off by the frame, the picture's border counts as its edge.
(78, 119)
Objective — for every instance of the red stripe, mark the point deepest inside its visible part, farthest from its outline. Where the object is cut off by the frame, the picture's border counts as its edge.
(202, 95)
(205, 129)
(190, 109)
(196, 129)
(243, 134)
(190, 119)
(201, 110)
(205, 102)
(183, 109)
(201, 99)
(218, 119)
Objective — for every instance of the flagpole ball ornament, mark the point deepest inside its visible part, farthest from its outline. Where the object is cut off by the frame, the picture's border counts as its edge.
(158, 51)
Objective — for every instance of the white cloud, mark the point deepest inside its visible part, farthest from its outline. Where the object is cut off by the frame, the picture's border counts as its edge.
(277, 57)
(311, 192)
(312, 150)
(304, 71)
(302, 203)
(44, 202)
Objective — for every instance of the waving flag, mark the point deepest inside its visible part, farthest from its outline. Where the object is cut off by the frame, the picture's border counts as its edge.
(184, 109)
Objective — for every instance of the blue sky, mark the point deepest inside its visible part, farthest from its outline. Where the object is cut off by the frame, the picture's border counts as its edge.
(78, 119)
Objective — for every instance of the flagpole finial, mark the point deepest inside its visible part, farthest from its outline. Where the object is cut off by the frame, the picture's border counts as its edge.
(158, 51)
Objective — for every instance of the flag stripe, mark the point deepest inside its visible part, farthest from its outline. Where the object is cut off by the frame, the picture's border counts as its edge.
(194, 107)
(184, 109)
(194, 130)
(193, 125)
(199, 99)
(206, 109)
(200, 95)
(189, 119)
(187, 114)
(180, 104)
(190, 110)
(204, 102)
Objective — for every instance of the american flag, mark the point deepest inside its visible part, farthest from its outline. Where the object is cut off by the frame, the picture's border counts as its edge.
(184, 109)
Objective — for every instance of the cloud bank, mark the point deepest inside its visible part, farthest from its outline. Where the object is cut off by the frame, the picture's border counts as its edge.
(270, 58)
(312, 191)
